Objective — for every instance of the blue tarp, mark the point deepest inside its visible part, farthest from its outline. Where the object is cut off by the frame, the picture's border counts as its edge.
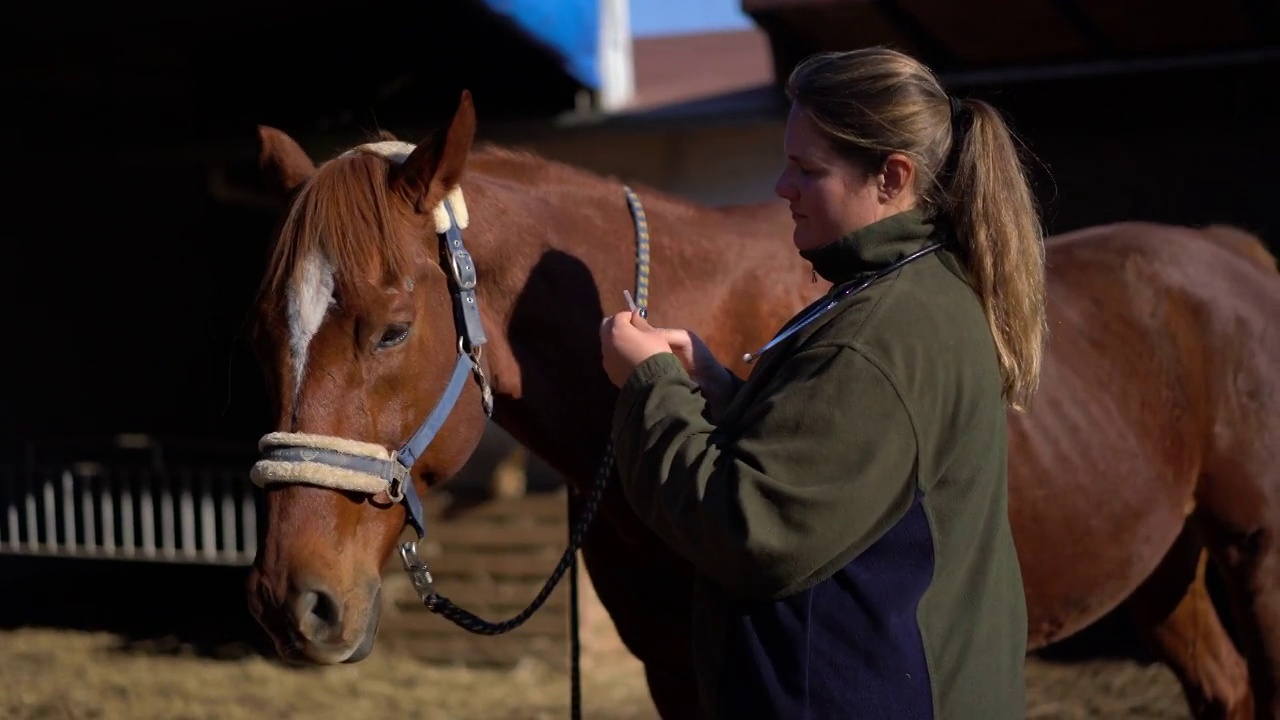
(568, 28)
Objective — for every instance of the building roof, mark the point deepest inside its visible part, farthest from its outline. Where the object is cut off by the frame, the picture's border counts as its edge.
(717, 77)
(684, 68)
(972, 36)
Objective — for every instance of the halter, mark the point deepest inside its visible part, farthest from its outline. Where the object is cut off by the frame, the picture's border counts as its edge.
(369, 468)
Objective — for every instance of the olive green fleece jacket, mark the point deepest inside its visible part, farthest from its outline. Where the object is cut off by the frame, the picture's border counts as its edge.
(890, 400)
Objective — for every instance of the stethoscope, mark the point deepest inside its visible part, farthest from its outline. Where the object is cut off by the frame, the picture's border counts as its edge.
(853, 287)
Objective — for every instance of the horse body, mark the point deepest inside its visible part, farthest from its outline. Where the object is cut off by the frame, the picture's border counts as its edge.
(1106, 469)
(1157, 407)
(1152, 441)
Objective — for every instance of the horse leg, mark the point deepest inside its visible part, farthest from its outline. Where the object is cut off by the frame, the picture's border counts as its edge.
(1242, 523)
(1176, 617)
(647, 593)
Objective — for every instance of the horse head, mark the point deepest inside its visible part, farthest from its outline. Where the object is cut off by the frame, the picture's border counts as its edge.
(360, 354)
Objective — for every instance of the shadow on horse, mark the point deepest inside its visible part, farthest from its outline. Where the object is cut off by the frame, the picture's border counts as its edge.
(1151, 448)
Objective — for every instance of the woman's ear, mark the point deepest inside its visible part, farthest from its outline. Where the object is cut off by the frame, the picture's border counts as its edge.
(898, 175)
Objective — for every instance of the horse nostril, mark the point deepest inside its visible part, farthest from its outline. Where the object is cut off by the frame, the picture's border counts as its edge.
(319, 615)
(326, 610)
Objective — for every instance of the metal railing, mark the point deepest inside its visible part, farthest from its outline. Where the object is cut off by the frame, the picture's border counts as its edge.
(130, 508)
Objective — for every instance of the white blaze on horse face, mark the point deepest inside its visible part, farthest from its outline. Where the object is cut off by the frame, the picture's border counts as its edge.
(309, 299)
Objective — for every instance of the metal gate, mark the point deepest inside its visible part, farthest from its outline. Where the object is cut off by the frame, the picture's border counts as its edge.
(130, 498)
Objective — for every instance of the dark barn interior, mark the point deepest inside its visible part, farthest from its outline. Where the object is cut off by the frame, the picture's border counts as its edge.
(132, 268)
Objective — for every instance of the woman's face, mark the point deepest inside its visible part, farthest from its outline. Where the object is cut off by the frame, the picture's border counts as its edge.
(829, 195)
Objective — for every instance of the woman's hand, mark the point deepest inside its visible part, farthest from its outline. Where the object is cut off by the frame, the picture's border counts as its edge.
(716, 381)
(693, 353)
(626, 340)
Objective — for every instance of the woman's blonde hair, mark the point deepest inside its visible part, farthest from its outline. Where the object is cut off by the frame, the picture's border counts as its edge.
(875, 101)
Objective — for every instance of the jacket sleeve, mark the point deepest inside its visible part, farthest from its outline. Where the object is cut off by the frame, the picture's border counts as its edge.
(820, 466)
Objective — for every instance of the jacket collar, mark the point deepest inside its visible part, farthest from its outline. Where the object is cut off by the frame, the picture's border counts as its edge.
(871, 248)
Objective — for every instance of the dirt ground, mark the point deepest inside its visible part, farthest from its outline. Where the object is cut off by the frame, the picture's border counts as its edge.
(149, 644)
(57, 674)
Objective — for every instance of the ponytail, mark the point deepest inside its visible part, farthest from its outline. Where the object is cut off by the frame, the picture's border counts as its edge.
(994, 219)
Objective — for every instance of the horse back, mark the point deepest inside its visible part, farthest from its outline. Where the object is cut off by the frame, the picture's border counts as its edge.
(1245, 243)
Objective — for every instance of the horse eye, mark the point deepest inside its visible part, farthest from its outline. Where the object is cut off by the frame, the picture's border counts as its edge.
(395, 334)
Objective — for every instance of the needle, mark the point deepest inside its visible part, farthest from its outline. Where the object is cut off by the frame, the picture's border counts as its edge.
(632, 304)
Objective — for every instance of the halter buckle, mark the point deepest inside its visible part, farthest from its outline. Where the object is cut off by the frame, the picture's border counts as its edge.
(395, 490)
(463, 269)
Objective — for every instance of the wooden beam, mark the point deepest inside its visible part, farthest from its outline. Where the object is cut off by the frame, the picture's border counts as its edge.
(977, 39)
(931, 49)
(1093, 36)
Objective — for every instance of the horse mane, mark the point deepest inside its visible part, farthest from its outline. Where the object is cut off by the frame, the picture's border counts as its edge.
(525, 167)
(345, 213)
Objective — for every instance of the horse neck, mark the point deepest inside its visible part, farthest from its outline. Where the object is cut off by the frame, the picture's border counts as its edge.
(551, 265)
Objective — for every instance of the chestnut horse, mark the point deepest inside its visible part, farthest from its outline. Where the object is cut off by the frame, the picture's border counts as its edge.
(1153, 444)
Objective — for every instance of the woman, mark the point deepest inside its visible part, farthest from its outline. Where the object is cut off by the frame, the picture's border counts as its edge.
(845, 506)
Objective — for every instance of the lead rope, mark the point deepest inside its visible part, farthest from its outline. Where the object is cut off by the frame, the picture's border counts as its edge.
(642, 307)
(444, 607)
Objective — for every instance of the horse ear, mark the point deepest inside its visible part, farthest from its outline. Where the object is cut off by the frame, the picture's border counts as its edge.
(435, 167)
(282, 160)
(387, 136)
